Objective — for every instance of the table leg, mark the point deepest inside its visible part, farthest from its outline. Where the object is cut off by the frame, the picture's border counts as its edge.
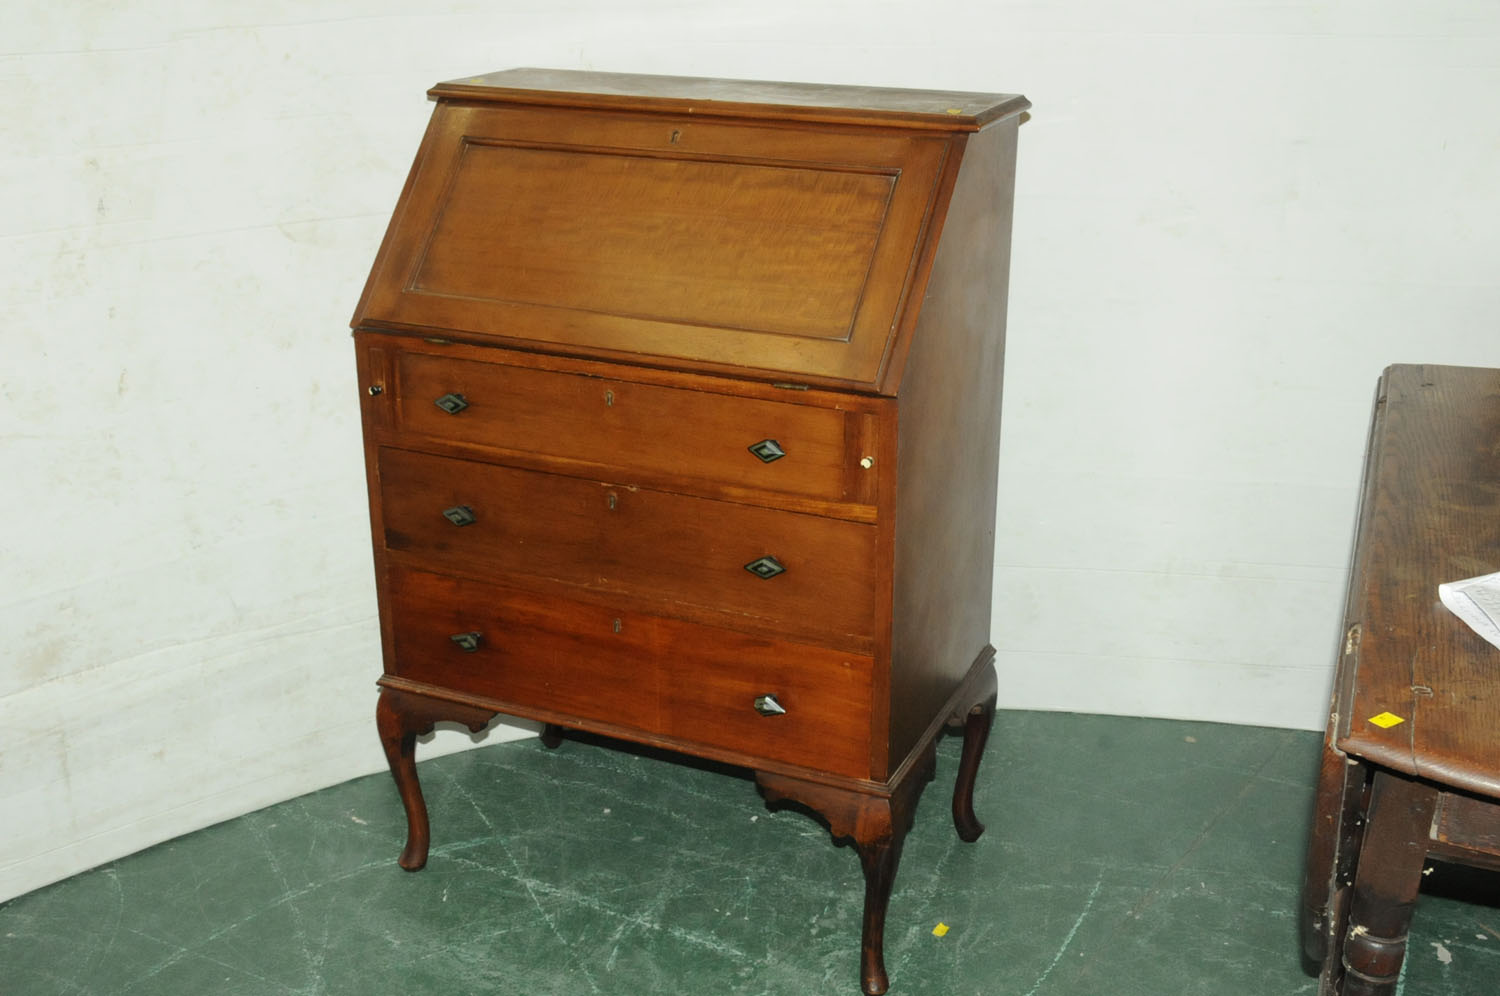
(1332, 853)
(1387, 879)
(400, 718)
(976, 722)
(877, 825)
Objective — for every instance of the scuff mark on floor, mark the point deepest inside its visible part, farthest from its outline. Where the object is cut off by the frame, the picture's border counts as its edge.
(1087, 906)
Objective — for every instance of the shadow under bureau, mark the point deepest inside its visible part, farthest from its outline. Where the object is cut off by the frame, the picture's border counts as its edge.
(681, 413)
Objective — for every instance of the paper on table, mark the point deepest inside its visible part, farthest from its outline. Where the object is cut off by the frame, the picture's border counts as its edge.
(1477, 602)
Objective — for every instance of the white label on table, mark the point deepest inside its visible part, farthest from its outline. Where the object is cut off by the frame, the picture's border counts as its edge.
(1477, 602)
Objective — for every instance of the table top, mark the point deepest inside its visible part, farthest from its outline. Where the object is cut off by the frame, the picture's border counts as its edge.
(1418, 691)
(945, 110)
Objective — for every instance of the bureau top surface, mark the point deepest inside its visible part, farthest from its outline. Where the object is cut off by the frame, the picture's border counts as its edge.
(777, 231)
(1430, 514)
(935, 109)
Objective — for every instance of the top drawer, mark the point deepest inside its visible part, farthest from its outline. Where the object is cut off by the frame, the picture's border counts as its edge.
(752, 248)
(632, 431)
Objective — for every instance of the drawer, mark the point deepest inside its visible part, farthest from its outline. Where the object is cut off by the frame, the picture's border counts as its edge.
(560, 659)
(645, 431)
(817, 574)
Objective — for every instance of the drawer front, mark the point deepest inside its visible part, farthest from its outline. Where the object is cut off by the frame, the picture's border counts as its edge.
(638, 428)
(816, 575)
(664, 677)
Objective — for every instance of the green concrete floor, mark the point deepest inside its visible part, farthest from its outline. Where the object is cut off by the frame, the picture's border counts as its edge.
(1124, 857)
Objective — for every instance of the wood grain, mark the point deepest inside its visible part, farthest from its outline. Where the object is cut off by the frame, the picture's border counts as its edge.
(1411, 762)
(944, 110)
(732, 246)
(1433, 515)
(673, 550)
(949, 445)
(540, 656)
(772, 252)
(626, 428)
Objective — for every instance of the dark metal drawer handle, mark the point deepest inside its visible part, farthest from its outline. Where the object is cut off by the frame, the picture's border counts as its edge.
(765, 567)
(459, 515)
(467, 642)
(766, 705)
(452, 403)
(769, 450)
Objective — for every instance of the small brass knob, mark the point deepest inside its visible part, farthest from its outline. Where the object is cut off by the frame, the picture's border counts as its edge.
(867, 462)
(376, 390)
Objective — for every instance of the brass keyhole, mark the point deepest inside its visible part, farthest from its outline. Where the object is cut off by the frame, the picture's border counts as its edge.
(609, 399)
(613, 501)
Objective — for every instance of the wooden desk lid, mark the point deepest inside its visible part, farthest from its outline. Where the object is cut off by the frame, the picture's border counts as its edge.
(769, 230)
(1430, 513)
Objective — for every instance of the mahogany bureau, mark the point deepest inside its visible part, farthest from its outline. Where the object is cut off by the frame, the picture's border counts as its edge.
(681, 413)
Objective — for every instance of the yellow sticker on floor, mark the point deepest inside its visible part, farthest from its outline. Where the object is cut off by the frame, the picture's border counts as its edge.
(940, 930)
(1386, 720)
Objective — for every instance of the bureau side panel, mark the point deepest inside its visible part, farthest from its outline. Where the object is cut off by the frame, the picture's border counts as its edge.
(948, 447)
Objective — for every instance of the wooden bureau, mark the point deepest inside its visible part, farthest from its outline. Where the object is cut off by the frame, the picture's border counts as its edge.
(681, 413)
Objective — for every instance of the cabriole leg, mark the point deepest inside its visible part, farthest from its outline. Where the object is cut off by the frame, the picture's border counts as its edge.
(879, 858)
(877, 825)
(976, 725)
(400, 718)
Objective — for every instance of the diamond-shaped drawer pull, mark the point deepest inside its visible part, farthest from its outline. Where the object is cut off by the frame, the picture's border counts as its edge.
(467, 642)
(769, 450)
(452, 403)
(459, 515)
(765, 567)
(766, 705)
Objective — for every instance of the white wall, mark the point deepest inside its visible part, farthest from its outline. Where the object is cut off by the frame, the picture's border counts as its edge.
(1230, 217)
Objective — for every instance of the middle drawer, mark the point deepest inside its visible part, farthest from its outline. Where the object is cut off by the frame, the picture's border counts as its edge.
(756, 569)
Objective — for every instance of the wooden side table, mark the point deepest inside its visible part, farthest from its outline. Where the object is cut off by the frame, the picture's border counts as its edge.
(1411, 763)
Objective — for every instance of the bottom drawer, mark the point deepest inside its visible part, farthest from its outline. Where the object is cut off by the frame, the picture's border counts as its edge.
(666, 677)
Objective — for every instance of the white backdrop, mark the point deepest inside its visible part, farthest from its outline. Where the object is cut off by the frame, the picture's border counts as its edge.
(1231, 215)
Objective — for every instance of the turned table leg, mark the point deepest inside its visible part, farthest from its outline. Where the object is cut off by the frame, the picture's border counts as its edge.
(401, 718)
(1386, 882)
(1332, 854)
(551, 736)
(976, 722)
